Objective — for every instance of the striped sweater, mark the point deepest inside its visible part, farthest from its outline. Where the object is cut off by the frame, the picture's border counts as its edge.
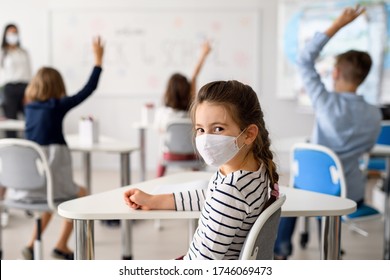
(230, 206)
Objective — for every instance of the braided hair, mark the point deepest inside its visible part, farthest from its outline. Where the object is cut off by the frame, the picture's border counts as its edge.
(244, 106)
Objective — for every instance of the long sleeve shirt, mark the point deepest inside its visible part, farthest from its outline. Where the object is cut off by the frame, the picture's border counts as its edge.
(44, 119)
(345, 123)
(15, 66)
(229, 208)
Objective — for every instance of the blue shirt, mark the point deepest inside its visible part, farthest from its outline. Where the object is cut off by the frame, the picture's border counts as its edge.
(44, 118)
(345, 123)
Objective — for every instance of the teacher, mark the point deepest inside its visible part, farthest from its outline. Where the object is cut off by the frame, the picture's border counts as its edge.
(15, 73)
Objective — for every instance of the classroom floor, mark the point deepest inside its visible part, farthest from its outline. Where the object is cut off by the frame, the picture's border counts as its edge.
(172, 239)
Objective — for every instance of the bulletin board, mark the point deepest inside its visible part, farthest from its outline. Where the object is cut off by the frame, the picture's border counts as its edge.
(145, 46)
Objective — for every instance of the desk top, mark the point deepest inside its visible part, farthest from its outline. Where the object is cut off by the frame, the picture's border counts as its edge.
(105, 144)
(9, 124)
(110, 205)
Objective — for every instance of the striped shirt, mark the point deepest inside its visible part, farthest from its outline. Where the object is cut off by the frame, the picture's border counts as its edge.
(230, 207)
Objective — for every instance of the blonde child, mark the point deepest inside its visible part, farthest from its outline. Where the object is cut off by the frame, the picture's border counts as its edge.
(230, 134)
(46, 107)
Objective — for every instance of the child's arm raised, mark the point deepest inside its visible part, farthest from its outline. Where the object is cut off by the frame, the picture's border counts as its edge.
(347, 16)
(138, 199)
(98, 51)
(206, 49)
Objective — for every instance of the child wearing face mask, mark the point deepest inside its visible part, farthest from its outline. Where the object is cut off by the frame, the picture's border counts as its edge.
(15, 73)
(230, 134)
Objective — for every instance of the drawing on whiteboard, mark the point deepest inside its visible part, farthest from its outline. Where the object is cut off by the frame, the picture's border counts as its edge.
(144, 48)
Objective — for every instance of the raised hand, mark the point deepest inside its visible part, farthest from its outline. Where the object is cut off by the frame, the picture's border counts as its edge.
(98, 51)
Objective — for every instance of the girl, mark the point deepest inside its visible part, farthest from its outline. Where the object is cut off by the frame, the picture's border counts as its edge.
(231, 134)
(16, 73)
(47, 105)
(178, 97)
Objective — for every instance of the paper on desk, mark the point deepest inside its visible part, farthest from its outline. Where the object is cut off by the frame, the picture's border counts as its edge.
(187, 186)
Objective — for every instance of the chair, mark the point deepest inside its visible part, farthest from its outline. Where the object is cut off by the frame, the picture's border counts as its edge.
(179, 149)
(24, 167)
(259, 244)
(317, 168)
(378, 164)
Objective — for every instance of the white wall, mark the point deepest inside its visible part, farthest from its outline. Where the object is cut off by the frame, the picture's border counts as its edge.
(116, 114)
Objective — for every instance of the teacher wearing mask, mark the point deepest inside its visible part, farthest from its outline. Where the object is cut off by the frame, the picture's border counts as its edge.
(15, 73)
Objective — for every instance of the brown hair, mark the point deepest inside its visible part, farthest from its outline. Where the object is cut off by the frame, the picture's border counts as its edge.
(244, 106)
(354, 66)
(47, 83)
(178, 93)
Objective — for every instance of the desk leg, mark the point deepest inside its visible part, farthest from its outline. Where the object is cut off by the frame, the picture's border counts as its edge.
(85, 248)
(192, 225)
(142, 144)
(330, 238)
(87, 170)
(386, 186)
(126, 224)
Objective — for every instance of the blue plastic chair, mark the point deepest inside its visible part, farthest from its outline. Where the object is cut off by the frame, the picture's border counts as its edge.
(379, 163)
(317, 168)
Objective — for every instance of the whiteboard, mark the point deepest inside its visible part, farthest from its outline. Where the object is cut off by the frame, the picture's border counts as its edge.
(144, 47)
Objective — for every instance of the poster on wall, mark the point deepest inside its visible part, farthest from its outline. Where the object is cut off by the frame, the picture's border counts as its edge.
(298, 22)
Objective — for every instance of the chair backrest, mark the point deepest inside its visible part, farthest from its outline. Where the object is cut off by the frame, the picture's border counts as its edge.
(178, 137)
(24, 166)
(384, 136)
(259, 244)
(316, 168)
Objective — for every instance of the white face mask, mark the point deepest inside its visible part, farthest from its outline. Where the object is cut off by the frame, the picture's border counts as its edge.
(12, 38)
(217, 149)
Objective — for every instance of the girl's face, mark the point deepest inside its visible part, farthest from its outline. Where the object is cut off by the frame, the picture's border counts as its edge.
(215, 119)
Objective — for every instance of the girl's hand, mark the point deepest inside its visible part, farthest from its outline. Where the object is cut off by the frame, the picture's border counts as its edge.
(98, 50)
(138, 199)
(206, 48)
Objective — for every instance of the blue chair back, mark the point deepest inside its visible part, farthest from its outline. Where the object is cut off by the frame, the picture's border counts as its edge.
(384, 136)
(379, 163)
(316, 168)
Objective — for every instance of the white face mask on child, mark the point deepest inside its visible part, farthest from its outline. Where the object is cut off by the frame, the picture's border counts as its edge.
(217, 149)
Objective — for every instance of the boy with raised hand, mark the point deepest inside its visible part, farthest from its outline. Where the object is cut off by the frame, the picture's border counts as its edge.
(344, 122)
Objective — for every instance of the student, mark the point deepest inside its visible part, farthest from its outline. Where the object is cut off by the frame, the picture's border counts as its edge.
(47, 105)
(15, 74)
(344, 123)
(231, 135)
(178, 97)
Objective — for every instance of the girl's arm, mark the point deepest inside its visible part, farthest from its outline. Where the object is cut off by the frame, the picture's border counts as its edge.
(206, 48)
(71, 101)
(138, 199)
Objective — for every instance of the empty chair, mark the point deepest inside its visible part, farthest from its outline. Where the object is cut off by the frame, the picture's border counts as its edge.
(259, 244)
(317, 168)
(24, 167)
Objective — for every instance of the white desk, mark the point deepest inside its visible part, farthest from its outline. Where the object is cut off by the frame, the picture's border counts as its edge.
(110, 205)
(384, 151)
(9, 124)
(107, 145)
